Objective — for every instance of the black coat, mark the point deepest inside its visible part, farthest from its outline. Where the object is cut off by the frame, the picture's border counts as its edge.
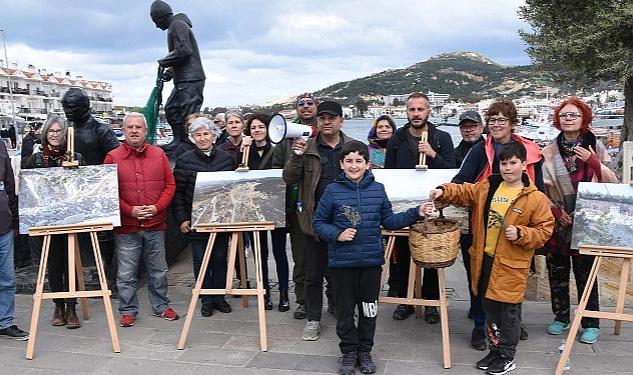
(401, 154)
(93, 140)
(187, 167)
(254, 159)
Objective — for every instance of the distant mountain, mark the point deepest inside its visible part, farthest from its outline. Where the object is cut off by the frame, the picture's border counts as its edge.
(467, 76)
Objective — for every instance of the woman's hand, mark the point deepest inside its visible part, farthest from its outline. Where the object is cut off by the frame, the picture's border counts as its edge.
(185, 226)
(246, 141)
(347, 235)
(583, 153)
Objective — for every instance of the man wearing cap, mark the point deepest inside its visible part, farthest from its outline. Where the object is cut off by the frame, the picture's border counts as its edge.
(306, 106)
(313, 165)
(471, 127)
(403, 151)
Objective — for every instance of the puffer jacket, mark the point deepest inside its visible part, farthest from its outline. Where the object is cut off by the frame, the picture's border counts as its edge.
(530, 213)
(306, 169)
(185, 172)
(8, 199)
(366, 201)
(145, 178)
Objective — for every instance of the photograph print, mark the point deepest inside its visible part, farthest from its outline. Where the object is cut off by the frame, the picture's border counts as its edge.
(239, 197)
(603, 215)
(62, 196)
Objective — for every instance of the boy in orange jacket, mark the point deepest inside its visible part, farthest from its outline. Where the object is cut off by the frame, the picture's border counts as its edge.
(510, 219)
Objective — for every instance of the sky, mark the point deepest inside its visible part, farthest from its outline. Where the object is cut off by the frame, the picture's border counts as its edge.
(256, 51)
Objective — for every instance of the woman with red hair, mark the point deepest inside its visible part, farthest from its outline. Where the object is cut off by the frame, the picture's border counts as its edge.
(575, 156)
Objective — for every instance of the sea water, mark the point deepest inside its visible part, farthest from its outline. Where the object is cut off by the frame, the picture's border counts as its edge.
(359, 128)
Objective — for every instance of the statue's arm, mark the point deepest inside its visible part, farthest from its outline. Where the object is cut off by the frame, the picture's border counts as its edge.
(180, 33)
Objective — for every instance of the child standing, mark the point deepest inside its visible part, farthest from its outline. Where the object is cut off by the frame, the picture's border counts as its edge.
(511, 219)
(349, 218)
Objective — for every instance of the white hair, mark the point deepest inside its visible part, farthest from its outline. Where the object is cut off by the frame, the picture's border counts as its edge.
(202, 123)
(131, 115)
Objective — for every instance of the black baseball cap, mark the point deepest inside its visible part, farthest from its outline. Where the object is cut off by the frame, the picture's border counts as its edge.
(471, 115)
(330, 107)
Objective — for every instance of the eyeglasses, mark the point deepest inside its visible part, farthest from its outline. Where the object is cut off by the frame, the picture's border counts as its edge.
(217, 121)
(305, 103)
(469, 127)
(571, 115)
(498, 120)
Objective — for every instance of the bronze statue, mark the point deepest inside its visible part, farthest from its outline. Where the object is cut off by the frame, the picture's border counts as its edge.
(183, 64)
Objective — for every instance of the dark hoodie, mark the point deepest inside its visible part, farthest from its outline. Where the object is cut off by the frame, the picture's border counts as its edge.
(183, 57)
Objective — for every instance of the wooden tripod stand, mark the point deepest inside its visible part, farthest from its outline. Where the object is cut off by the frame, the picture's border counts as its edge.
(414, 291)
(236, 230)
(74, 265)
(619, 316)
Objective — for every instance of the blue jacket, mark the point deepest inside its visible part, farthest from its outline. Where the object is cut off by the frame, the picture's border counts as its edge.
(368, 199)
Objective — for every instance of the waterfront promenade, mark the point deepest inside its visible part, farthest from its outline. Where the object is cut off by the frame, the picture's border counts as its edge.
(229, 344)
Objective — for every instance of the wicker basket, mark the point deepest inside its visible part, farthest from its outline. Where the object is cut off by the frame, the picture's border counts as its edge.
(434, 243)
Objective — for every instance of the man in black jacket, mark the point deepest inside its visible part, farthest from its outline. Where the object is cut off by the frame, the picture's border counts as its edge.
(403, 151)
(471, 127)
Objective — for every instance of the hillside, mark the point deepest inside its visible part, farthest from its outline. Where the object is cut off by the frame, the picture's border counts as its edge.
(467, 76)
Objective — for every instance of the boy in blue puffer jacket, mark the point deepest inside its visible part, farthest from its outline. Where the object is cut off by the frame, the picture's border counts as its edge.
(349, 218)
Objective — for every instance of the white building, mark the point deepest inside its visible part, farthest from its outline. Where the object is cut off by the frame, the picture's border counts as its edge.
(37, 93)
(435, 99)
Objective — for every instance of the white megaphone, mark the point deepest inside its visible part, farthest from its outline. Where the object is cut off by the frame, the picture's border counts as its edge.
(279, 129)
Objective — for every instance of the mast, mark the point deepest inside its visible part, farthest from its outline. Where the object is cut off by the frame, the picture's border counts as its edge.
(6, 61)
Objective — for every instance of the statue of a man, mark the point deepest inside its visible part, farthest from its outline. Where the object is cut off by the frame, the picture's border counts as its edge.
(93, 139)
(183, 65)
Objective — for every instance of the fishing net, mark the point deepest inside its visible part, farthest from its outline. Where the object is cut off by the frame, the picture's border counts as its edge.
(152, 107)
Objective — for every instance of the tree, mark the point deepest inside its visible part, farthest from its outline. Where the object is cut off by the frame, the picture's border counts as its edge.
(361, 105)
(584, 41)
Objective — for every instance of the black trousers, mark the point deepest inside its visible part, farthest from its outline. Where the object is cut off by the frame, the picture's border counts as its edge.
(316, 270)
(57, 266)
(356, 289)
(476, 308)
(430, 283)
(558, 270)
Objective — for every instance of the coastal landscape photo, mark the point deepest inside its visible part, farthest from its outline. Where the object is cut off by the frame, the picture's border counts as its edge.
(603, 215)
(239, 197)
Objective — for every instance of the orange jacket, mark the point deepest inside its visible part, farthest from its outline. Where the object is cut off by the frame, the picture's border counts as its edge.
(530, 213)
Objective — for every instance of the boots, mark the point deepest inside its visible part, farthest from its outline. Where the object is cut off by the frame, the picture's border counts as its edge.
(268, 305)
(59, 316)
(284, 304)
(72, 321)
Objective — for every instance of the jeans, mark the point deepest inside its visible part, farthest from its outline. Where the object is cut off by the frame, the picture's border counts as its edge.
(130, 247)
(7, 280)
(217, 268)
(281, 259)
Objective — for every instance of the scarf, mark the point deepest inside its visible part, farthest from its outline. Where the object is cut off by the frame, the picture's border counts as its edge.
(54, 155)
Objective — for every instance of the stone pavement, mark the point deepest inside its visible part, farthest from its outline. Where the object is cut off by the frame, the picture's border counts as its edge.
(229, 343)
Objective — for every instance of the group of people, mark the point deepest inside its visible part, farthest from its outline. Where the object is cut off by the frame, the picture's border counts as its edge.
(522, 199)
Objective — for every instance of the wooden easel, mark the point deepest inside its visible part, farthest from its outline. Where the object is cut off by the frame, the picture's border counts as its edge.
(619, 316)
(74, 265)
(414, 291)
(236, 230)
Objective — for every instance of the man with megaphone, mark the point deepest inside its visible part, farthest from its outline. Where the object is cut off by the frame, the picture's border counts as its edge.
(314, 165)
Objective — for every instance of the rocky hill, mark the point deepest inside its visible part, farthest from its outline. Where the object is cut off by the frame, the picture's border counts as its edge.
(467, 76)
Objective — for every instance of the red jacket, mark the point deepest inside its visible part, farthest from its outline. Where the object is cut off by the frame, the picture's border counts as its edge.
(145, 178)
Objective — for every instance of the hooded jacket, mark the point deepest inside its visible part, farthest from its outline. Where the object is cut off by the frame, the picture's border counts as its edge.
(530, 213)
(366, 201)
(183, 57)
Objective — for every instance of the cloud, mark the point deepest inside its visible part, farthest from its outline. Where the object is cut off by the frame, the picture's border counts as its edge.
(257, 51)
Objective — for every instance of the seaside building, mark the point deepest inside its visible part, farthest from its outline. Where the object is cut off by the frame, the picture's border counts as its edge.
(436, 100)
(36, 93)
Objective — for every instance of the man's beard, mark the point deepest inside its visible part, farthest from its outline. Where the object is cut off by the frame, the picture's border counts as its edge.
(416, 126)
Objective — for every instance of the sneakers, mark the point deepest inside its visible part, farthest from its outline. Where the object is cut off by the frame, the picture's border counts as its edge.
(501, 365)
(222, 306)
(486, 361)
(557, 328)
(312, 330)
(365, 363)
(402, 312)
(13, 332)
(300, 312)
(127, 320)
(206, 310)
(348, 363)
(590, 336)
(431, 315)
(168, 314)
(478, 338)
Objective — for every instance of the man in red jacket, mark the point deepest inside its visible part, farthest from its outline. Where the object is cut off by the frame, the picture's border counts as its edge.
(146, 188)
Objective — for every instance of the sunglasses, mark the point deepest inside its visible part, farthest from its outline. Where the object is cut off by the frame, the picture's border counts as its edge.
(305, 103)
